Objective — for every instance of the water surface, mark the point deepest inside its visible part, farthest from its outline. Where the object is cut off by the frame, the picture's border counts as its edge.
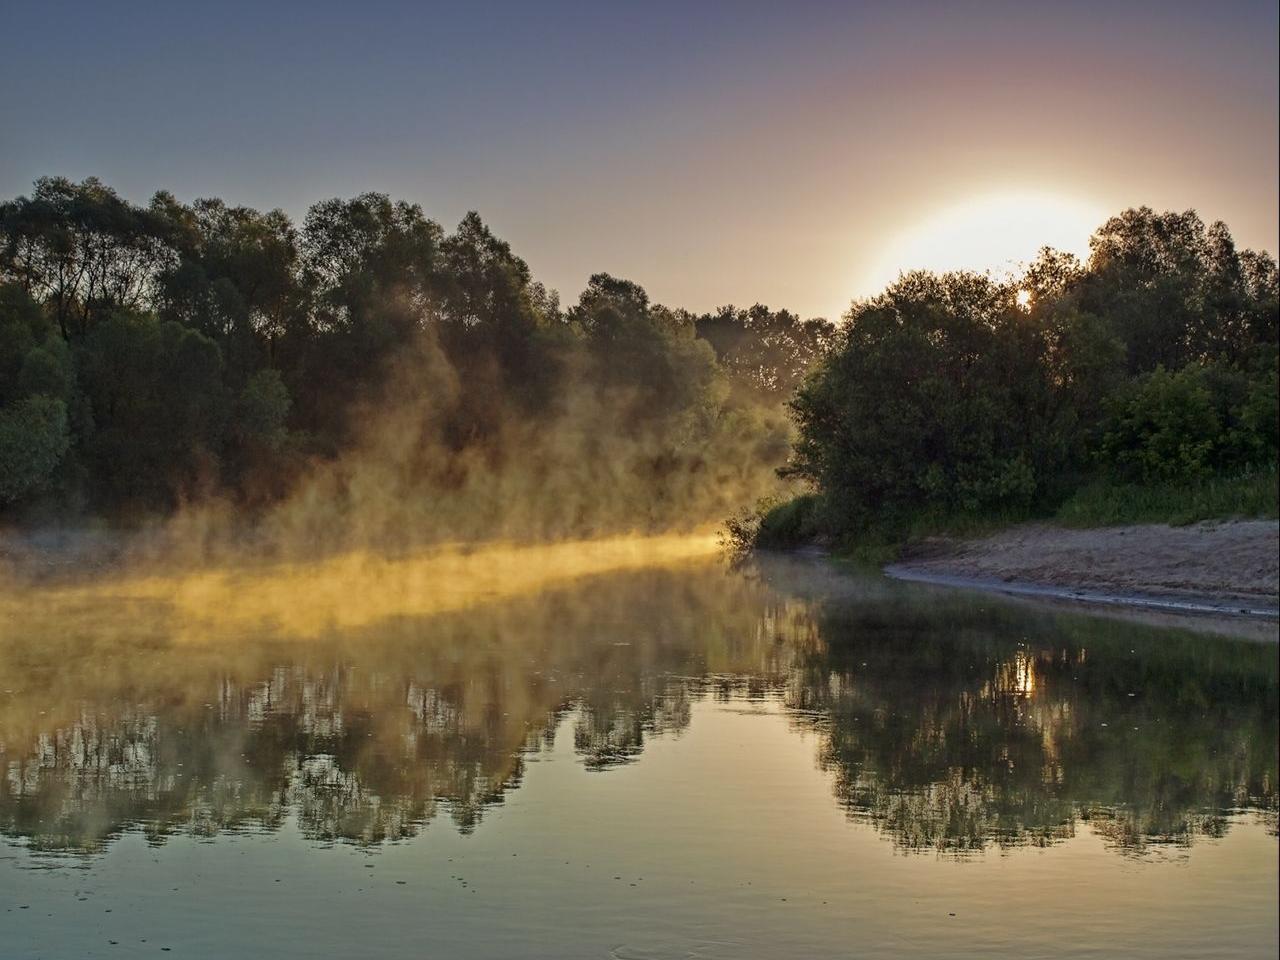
(670, 761)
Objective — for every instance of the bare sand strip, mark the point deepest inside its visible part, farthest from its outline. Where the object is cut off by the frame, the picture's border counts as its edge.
(1219, 569)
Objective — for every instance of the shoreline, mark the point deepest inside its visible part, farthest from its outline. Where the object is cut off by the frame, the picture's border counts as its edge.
(1024, 588)
(1225, 570)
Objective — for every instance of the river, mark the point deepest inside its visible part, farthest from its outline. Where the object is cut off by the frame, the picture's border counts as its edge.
(634, 758)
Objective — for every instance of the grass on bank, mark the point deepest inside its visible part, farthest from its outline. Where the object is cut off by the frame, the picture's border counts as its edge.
(1251, 494)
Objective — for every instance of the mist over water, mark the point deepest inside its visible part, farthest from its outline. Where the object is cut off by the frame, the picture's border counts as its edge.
(434, 460)
(601, 460)
(297, 600)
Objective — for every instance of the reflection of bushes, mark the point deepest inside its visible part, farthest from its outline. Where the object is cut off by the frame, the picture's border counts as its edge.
(949, 736)
(951, 724)
(611, 726)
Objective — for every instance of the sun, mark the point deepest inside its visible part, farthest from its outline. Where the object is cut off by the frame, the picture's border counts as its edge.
(996, 232)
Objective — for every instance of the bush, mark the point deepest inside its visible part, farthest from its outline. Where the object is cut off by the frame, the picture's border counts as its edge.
(34, 438)
(934, 397)
(792, 523)
(775, 525)
(261, 410)
(1184, 426)
(158, 408)
(1162, 426)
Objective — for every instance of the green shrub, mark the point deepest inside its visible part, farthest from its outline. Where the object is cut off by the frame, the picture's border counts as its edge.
(261, 409)
(774, 525)
(1162, 427)
(792, 523)
(934, 397)
(34, 438)
(1183, 426)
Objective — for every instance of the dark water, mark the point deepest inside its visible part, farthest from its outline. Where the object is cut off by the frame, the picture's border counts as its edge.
(676, 762)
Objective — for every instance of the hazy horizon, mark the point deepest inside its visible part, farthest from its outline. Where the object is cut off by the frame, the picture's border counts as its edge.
(722, 155)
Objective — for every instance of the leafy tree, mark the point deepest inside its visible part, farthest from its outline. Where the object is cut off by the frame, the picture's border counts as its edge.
(1189, 423)
(932, 396)
(82, 249)
(485, 284)
(1176, 292)
(158, 408)
(36, 383)
(648, 353)
(236, 279)
(494, 326)
(34, 437)
(369, 267)
(768, 351)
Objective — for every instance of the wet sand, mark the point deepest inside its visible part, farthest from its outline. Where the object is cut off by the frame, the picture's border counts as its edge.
(1229, 568)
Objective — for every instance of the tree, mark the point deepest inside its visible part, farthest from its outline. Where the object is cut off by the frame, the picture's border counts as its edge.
(649, 357)
(36, 384)
(1176, 292)
(34, 437)
(932, 397)
(236, 279)
(768, 351)
(82, 249)
(158, 407)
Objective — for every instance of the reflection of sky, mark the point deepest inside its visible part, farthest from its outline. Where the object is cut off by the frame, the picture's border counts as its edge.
(723, 843)
(713, 152)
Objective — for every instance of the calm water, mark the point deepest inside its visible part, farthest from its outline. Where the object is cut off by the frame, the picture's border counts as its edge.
(674, 762)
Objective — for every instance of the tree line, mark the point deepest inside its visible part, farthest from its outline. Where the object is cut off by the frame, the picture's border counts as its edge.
(154, 355)
(1153, 364)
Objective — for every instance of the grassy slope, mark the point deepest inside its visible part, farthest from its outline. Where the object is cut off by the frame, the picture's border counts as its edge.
(1103, 504)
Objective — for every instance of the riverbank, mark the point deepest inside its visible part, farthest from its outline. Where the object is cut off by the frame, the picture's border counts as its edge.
(1215, 568)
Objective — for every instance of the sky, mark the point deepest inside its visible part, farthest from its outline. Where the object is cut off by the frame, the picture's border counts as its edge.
(796, 154)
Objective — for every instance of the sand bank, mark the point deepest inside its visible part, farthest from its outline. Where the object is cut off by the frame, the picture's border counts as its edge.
(1224, 568)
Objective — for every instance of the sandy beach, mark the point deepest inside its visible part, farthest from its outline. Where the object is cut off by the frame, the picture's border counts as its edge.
(1223, 565)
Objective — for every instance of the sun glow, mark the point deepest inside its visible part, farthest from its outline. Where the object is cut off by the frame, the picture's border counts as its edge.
(997, 233)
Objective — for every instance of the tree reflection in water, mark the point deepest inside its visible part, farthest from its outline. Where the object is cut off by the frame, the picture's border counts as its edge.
(949, 723)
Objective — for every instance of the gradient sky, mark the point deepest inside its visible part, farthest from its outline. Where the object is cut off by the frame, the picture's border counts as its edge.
(713, 152)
